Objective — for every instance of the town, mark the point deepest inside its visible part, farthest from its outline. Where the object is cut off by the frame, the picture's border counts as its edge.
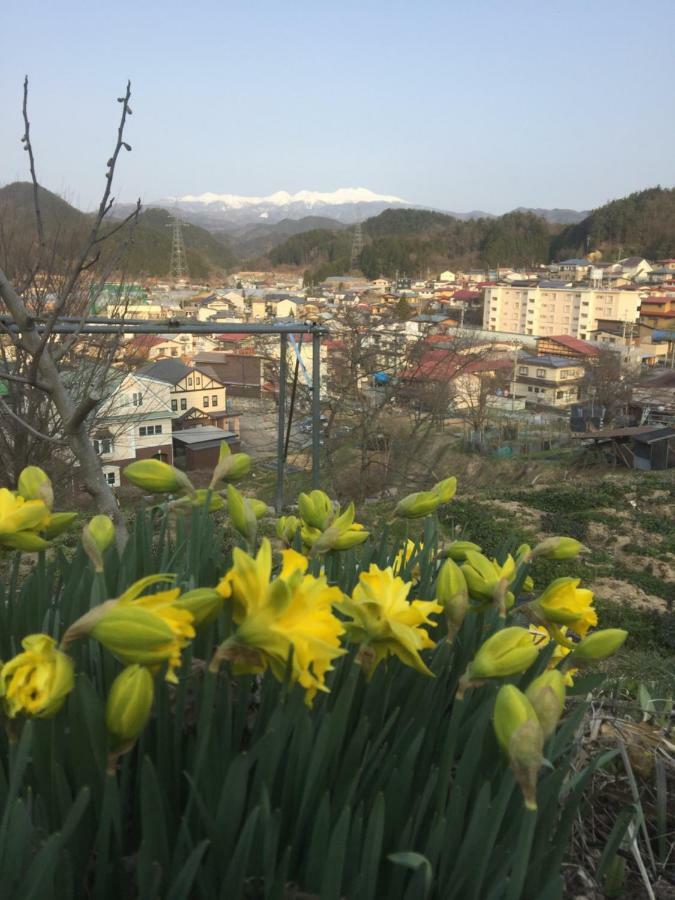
(551, 346)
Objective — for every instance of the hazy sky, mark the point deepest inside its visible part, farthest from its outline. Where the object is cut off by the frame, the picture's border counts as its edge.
(457, 104)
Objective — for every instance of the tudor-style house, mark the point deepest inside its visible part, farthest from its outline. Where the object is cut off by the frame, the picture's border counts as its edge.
(134, 422)
(189, 387)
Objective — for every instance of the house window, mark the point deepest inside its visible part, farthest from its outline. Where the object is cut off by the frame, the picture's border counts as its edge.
(158, 429)
(174, 352)
(183, 403)
(522, 370)
(560, 394)
(214, 400)
(142, 431)
(110, 478)
(189, 382)
(103, 445)
(198, 381)
(137, 399)
(174, 406)
(541, 373)
(205, 401)
(530, 389)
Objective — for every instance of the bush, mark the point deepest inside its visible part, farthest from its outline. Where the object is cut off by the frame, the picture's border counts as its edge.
(387, 783)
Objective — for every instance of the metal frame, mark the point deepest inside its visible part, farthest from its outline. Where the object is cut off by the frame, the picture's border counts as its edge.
(105, 325)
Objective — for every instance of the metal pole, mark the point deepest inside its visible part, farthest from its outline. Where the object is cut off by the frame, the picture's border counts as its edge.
(316, 409)
(281, 424)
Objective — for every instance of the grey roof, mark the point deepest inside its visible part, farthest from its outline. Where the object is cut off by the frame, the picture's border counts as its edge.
(202, 434)
(574, 262)
(170, 371)
(553, 283)
(552, 362)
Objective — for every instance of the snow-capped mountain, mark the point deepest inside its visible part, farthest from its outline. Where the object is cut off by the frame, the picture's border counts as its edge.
(347, 205)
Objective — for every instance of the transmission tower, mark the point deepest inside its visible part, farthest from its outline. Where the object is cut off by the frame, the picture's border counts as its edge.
(179, 266)
(357, 245)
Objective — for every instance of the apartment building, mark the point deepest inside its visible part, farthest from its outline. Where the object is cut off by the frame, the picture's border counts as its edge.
(553, 308)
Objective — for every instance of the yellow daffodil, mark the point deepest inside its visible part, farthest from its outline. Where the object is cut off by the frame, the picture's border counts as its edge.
(18, 515)
(286, 624)
(564, 603)
(36, 681)
(541, 638)
(316, 509)
(385, 622)
(286, 528)
(149, 629)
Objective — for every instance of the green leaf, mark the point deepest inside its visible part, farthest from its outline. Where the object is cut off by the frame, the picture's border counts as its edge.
(415, 861)
(182, 886)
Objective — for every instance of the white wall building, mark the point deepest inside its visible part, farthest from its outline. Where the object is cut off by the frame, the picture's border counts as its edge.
(542, 310)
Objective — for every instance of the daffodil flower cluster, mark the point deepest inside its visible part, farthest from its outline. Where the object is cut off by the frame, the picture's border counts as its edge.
(321, 526)
(27, 519)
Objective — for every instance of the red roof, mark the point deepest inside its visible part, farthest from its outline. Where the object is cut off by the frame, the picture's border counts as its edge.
(236, 336)
(467, 295)
(145, 342)
(572, 343)
(657, 301)
(440, 365)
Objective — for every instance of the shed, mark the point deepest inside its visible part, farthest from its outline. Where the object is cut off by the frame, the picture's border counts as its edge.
(199, 448)
(654, 450)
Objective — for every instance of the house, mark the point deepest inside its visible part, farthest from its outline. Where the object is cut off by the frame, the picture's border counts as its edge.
(635, 267)
(188, 386)
(134, 422)
(572, 269)
(564, 345)
(657, 311)
(548, 380)
(241, 373)
(446, 276)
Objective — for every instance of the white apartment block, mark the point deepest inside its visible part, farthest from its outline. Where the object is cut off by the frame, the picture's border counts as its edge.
(542, 310)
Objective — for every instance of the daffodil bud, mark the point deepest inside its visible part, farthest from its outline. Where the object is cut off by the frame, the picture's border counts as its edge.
(599, 645)
(352, 537)
(445, 490)
(547, 696)
(129, 704)
(157, 476)
(316, 509)
(97, 536)
(506, 652)
(231, 467)
(287, 527)
(558, 548)
(203, 603)
(57, 523)
(457, 550)
(27, 541)
(520, 735)
(259, 507)
(453, 595)
(417, 506)
(241, 514)
(34, 484)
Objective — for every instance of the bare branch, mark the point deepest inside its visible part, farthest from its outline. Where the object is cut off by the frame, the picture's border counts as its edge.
(39, 434)
(40, 385)
(27, 145)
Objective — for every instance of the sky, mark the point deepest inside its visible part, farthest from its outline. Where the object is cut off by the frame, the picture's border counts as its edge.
(453, 104)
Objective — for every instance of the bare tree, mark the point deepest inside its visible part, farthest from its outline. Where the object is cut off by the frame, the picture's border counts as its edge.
(608, 385)
(59, 273)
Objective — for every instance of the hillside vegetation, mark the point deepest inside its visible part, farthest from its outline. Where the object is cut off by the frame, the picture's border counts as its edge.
(148, 253)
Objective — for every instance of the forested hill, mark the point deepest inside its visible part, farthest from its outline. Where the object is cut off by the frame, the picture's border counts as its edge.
(642, 224)
(148, 252)
(413, 240)
(416, 240)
